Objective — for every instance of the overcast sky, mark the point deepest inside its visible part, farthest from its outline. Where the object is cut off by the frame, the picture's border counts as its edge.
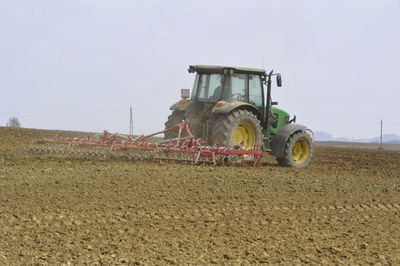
(78, 65)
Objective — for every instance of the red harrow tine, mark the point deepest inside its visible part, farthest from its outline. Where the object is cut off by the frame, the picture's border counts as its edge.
(181, 148)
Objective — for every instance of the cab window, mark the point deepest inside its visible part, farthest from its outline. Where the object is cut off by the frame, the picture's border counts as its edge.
(195, 85)
(209, 87)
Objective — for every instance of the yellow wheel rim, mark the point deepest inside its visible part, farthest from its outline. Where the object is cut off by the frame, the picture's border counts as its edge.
(244, 134)
(300, 151)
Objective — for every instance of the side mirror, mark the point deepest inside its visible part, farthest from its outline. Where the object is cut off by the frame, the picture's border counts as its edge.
(185, 93)
(274, 103)
(279, 80)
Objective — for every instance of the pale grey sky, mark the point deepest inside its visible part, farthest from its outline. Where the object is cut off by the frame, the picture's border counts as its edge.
(78, 65)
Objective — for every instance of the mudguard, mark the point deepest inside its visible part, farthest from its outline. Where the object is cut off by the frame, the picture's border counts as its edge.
(175, 106)
(180, 106)
(278, 141)
(231, 106)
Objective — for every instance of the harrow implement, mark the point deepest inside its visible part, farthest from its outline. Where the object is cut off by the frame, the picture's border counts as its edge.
(185, 149)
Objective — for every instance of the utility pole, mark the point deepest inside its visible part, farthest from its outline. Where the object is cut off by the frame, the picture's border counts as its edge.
(381, 147)
(131, 122)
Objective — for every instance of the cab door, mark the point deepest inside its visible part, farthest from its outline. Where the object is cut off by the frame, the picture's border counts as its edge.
(256, 94)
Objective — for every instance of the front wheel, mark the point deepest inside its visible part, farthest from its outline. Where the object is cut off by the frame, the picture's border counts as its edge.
(298, 151)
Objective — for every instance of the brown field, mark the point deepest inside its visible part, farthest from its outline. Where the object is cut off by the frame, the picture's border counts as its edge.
(358, 145)
(343, 209)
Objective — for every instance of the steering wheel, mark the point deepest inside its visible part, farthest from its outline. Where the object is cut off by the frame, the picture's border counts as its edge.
(238, 96)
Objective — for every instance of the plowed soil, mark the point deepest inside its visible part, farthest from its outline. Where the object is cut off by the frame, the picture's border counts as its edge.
(343, 209)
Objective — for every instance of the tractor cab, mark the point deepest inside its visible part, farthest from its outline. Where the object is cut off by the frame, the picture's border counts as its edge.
(226, 88)
(237, 87)
(216, 83)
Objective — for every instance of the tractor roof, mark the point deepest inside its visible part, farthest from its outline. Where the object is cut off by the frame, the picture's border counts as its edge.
(208, 68)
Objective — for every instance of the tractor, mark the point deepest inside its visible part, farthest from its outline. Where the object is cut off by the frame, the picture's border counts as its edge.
(233, 105)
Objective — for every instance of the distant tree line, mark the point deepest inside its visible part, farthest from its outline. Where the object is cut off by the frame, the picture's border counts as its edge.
(13, 122)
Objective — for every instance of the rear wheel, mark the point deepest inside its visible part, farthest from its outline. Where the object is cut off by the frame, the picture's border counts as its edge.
(298, 151)
(175, 118)
(240, 128)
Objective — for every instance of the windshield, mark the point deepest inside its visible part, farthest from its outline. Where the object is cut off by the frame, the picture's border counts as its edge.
(207, 87)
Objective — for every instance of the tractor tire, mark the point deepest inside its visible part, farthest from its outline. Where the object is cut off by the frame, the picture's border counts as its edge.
(174, 118)
(298, 151)
(239, 129)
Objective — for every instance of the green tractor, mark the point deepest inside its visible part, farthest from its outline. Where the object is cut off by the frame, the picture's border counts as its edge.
(229, 105)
